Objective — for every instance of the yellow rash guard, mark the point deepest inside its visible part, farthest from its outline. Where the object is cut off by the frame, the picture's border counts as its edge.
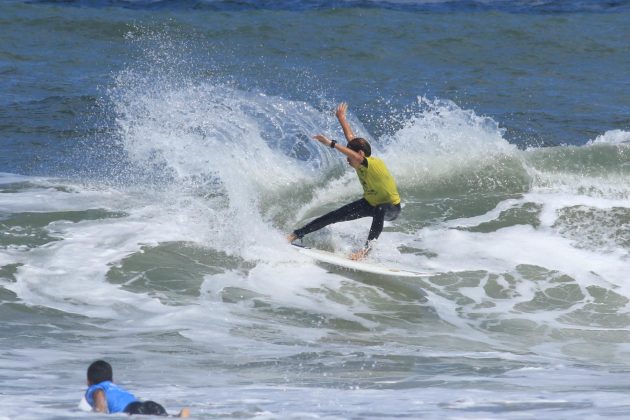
(378, 184)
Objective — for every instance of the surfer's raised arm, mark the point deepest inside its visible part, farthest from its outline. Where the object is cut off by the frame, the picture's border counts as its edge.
(341, 116)
(354, 158)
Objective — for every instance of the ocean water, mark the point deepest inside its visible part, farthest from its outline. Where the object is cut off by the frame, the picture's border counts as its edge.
(154, 154)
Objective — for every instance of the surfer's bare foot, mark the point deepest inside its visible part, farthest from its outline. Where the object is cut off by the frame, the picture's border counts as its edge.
(291, 237)
(359, 255)
(184, 413)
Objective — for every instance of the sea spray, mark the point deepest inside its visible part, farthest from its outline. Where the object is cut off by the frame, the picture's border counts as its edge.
(444, 149)
(239, 150)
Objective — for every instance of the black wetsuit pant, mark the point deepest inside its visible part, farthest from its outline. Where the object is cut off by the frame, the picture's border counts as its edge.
(356, 210)
(145, 407)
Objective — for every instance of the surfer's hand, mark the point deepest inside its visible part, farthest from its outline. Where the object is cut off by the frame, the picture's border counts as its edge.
(341, 116)
(359, 255)
(341, 111)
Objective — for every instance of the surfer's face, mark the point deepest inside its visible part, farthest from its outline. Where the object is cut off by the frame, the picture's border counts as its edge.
(361, 152)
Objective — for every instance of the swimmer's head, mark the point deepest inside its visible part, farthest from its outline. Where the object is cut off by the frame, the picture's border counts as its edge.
(359, 143)
(99, 371)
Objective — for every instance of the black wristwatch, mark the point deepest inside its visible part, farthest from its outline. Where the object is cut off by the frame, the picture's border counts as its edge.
(332, 144)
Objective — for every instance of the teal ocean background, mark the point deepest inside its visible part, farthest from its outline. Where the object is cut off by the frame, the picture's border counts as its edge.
(154, 154)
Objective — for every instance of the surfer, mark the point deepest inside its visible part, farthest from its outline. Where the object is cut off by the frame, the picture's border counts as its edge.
(380, 195)
(106, 397)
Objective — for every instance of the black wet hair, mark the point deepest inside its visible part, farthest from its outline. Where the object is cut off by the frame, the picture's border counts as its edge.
(99, 371)
(359, 143)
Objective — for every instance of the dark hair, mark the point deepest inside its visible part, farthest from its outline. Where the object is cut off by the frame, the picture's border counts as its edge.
(99, 371)
(359, 143)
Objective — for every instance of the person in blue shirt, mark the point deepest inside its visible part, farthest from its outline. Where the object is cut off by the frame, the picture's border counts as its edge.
(106, 397)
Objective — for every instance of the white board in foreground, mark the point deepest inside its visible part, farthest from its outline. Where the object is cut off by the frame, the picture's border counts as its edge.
(366, 267)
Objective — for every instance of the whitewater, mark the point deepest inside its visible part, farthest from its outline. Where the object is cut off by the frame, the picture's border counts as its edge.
(152, 232)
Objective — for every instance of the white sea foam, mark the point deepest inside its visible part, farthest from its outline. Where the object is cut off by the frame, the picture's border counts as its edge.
(612, 137)
(242, 144)
(46, 198)
(442, 139)
(7, 178)
(519, 320)
(279, 303)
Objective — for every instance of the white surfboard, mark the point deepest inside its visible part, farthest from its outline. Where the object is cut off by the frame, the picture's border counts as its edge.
(367, 267)
(84, 405)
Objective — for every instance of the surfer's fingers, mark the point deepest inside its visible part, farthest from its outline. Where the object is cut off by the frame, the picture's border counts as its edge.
(341, 109)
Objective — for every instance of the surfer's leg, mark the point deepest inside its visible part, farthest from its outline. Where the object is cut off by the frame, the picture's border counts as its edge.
(383, 212)
(152, 408)
(354, 210)
(378, 219)
(146, 407)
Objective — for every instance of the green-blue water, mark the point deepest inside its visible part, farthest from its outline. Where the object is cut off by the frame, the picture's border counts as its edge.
(153, 155)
